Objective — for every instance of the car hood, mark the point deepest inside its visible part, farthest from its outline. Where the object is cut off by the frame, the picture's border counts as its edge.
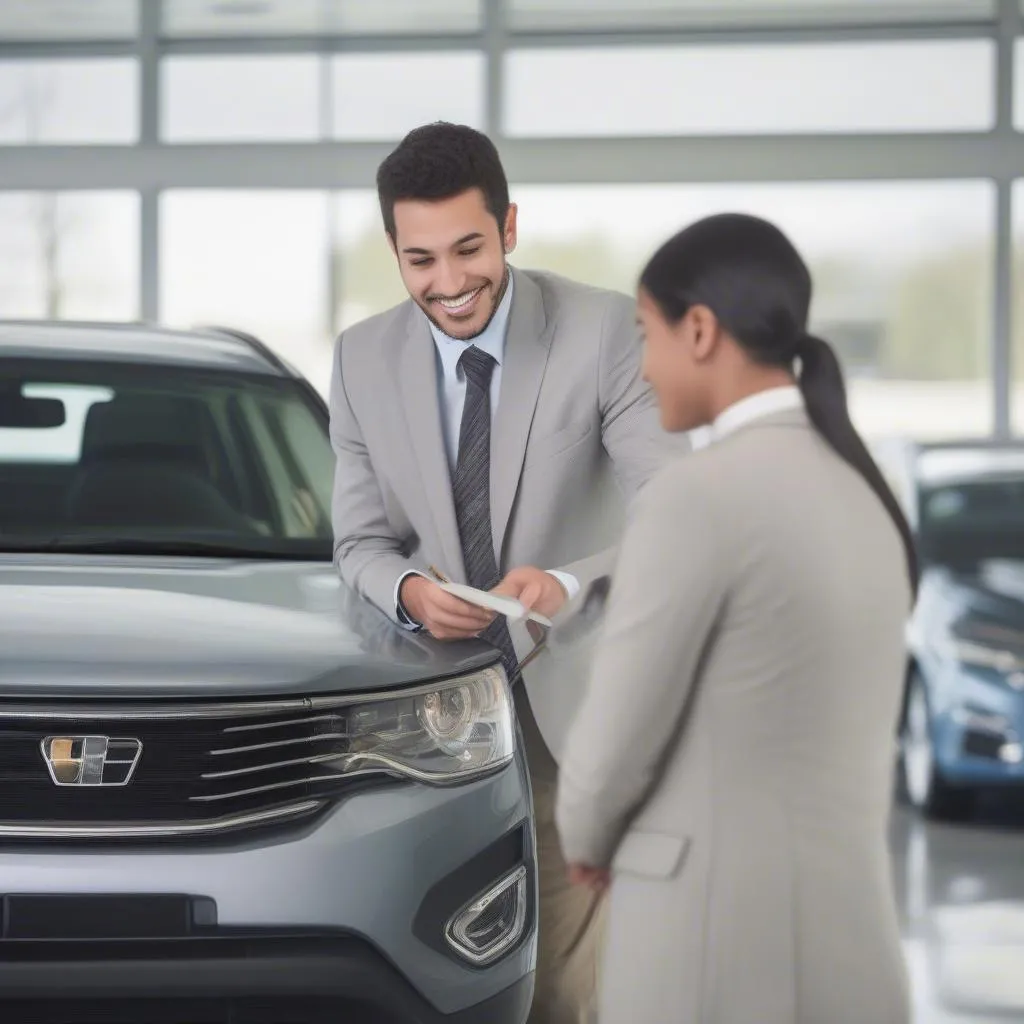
(101, 626)
(988, 603)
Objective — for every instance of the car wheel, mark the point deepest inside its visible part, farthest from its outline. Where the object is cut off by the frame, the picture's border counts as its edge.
(921, 781)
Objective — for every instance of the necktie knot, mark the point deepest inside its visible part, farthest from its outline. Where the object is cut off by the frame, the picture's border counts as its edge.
(477, 365)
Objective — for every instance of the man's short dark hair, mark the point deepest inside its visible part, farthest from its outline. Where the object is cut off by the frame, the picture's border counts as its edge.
(438, 161)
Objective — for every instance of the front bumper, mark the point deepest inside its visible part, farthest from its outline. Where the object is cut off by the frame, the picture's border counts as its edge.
(386, 868)
(304, 980)
(978, 725)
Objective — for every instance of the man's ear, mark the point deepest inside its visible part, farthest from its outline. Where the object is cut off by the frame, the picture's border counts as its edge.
(510, 235)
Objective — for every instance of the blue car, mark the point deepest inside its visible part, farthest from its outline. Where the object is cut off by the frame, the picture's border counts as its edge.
(962, 725)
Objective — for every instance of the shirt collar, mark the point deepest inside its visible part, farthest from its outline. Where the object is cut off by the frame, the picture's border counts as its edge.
(754, 407)
(491, 341)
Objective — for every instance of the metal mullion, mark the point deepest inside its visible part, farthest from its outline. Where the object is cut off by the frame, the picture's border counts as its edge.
(10, 50)
(1001, 352)
(151, 15)
(666, 159)
(753, 158)
(494, 48)
(149, 255)
(149, 71)
(263, 46)
(330, 265)
(759, 36)
(1001, 368)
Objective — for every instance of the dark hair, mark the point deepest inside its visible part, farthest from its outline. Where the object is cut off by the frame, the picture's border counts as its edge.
(752, 278)
(438, 161)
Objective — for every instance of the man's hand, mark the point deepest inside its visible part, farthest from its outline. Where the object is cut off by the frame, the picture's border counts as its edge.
(441, 614)
(596, 879)
(535, 589)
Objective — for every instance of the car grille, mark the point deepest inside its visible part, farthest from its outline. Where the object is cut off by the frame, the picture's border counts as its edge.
(202, 769)
(983, 744)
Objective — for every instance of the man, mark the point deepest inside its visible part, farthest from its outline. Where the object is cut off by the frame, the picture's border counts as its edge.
(479, 429)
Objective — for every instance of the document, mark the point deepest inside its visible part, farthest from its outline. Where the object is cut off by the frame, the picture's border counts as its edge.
(507, 606)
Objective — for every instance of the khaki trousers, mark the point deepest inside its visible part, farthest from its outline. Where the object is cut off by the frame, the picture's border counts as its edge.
(571, 918)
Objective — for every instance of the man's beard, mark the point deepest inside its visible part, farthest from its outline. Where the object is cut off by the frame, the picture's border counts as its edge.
(490, 316)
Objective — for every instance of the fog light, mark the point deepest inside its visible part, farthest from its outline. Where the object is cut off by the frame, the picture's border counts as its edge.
(493, 923)
(1011, 753)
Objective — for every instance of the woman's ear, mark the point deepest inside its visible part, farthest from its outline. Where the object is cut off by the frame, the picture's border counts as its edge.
(704, 331)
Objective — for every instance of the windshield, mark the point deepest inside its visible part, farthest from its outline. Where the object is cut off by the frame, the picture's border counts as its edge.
(161, 459)
(965, 522)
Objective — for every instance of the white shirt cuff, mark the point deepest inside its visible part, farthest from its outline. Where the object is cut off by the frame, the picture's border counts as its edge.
(403, 620)
(571, 584)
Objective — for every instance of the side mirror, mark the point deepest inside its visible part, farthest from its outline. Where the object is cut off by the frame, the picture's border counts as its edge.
(21, 413)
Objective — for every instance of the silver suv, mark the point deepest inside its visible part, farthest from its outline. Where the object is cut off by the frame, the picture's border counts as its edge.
(229, 788)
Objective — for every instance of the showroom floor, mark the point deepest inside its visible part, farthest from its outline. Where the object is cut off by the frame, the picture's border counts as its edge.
(961, 894)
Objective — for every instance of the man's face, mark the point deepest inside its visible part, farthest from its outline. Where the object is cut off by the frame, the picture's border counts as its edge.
(451, 255)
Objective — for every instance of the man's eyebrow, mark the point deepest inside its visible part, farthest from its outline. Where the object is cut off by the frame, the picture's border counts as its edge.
(471, 237)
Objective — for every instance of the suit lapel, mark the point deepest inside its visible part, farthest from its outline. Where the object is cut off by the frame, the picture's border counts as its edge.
(418, 376)
(527, 344)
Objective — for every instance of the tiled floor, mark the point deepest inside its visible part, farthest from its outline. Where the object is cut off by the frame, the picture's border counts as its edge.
(961, 893)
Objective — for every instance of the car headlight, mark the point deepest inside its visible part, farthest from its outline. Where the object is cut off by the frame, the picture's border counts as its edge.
(980, 655)
(983, 656)
(450, 732)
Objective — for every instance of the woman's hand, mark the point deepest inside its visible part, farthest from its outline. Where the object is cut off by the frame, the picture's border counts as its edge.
(596, 879)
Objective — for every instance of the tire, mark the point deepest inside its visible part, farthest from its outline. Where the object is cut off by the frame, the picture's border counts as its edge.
(921, 782)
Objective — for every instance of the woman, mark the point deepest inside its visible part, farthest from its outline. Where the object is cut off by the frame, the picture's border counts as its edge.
(730, 767)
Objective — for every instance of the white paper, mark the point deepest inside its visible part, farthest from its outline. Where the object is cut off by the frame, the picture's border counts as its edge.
(507, 606)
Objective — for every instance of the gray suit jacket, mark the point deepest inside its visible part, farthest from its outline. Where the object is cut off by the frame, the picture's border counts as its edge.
(732, 759)
(576, 434)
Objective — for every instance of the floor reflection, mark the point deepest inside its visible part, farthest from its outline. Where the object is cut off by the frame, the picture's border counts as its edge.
(961, 894)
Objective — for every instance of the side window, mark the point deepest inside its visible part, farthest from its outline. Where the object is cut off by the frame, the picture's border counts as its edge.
(314, 458)
(296, 504)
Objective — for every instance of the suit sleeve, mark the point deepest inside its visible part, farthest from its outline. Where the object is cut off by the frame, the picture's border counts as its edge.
(668, 590)
(367, 553)
(630, 425)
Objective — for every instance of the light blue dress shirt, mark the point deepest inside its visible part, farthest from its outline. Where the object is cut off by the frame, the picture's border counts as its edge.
(451, 385)
(451, 382)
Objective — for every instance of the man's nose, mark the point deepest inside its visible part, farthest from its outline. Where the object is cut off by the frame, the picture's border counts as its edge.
(451, 281)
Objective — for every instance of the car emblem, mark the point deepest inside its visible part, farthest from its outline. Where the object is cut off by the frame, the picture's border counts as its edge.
(90, 760)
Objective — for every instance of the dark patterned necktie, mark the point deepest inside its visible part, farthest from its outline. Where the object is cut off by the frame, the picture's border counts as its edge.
(471, 489)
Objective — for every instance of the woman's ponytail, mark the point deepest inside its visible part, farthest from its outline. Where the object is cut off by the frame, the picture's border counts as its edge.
(749, 274)
(824, 394)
